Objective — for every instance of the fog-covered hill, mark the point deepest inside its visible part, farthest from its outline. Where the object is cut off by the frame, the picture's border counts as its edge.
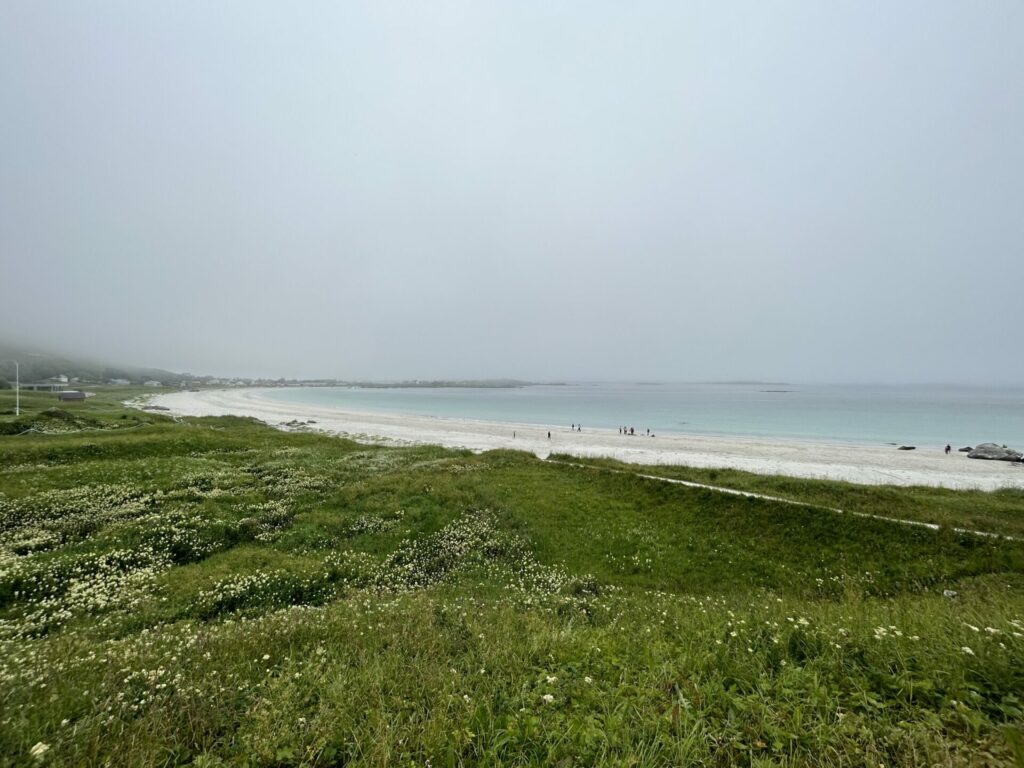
(38, 364)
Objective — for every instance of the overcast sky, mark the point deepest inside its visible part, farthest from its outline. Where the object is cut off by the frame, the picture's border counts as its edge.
(802, 191)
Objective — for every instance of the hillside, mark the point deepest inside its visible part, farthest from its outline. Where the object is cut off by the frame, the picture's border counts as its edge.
(214, 592)
(36, 365)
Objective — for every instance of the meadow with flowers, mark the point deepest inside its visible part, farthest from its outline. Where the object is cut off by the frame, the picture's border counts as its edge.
(215, 592)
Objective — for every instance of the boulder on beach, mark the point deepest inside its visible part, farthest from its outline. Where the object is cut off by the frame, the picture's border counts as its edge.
(995, 452)
(965, 449)
(907, 448)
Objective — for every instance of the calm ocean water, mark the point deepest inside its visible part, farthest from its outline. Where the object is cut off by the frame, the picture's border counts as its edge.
(925, 415)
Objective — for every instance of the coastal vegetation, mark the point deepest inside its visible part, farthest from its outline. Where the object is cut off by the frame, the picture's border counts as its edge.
(1000, 511)
(215, 592)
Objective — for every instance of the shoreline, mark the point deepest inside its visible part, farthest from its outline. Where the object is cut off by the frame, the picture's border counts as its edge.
(867, 465)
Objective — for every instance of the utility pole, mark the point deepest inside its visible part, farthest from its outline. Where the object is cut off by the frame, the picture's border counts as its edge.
(17, 386)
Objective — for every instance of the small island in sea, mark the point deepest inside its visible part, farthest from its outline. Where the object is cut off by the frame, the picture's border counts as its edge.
(438, 384)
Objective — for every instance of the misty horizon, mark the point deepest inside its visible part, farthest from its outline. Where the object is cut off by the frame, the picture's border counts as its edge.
(795, 193)
(25, 357)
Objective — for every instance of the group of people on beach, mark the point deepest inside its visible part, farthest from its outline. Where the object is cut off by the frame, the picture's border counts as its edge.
(622, 430)
(631, 431)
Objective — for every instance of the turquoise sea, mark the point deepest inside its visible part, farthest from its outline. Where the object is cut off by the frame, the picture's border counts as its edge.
(914, 415)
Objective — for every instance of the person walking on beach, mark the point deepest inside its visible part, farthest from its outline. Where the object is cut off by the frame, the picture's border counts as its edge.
(549, 435)
(948, 449)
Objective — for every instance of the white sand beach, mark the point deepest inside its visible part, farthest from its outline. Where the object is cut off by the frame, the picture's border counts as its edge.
(858, 463)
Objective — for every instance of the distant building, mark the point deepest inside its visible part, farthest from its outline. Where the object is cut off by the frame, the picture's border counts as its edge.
(52, 384)
(70, 395)
(152, 383)
(120, 382)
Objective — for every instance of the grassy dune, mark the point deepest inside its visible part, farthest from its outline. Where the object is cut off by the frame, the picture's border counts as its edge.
(999, 511)
(213, 592)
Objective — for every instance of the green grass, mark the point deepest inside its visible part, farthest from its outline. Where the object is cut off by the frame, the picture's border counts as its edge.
(214, 592)
(997, 511)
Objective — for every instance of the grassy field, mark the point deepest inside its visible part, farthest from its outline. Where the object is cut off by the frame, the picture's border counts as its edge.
(997, 512)
(213, 592)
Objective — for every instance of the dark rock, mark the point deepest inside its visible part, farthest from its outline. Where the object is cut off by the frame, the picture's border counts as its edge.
(965, 449)
(907, 448)
(994, 452)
